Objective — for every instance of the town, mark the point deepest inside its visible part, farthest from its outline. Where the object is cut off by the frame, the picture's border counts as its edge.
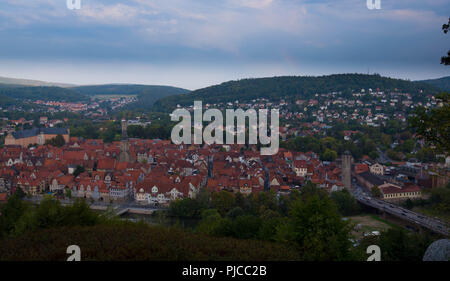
(156, 172)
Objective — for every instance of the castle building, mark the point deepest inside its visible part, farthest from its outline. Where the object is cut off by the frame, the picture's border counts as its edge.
(35, 136)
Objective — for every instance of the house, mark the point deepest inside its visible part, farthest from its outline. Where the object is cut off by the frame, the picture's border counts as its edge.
(300, 168)
(394, 192)
(361, 168)
(377, 169)
(61, 182)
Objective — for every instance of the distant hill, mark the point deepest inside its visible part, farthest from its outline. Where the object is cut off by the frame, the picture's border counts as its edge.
(147, 94)
(27, 82)
(12, 92)
(6, 101)
(292, 87)
(41, 93)
(441, 83)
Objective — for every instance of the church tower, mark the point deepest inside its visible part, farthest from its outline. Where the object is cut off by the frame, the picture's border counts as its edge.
(347, 160)
(124, 155)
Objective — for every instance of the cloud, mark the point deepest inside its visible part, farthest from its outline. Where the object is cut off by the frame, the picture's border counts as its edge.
(257, 4)
(285, 33)
(115, 14)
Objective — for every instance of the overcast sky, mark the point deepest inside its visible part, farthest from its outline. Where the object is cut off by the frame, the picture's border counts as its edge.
(197, 43)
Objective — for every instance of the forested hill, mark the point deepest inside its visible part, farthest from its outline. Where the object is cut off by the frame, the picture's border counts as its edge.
(15, 94)
(20, 93)
(31, 83)
(146, 94)
(127, 89)
(441, 83)
(293, 87)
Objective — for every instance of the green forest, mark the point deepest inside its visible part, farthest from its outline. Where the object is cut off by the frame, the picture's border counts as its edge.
(42, 93)
(146, 94)
(301, 87)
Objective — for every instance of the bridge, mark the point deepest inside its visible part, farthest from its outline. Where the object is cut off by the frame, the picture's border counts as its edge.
(122, 211)
(432, 224)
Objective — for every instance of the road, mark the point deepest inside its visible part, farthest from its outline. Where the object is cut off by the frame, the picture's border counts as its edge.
(382, 157)
(430, 223)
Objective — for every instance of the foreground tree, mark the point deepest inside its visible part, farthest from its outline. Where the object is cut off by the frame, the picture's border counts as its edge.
(317, 230)
(347, 204)
(434, 125)
(446, 59)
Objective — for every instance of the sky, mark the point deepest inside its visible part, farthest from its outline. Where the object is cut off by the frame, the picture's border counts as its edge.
(198, 43)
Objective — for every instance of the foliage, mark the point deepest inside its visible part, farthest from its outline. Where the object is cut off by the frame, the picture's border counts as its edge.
(397, 244)
(317, 230)
(446, 59)
(440, 199)
(131, 241)
(434, 124)
(442, 83)
(223, 201)
(376, 192)
(19, 217)
(11, 212)
(329, 155)
(42, 93)
(346, 203)
(394, 155)
(146, 94)
(289, 86)
(186, 208)
(78, 170)
(330, 147)
(157, 130)
(6, 101)
(436, 204)
(57, 141)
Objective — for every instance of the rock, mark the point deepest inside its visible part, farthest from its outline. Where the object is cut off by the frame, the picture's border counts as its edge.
(438, 251)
